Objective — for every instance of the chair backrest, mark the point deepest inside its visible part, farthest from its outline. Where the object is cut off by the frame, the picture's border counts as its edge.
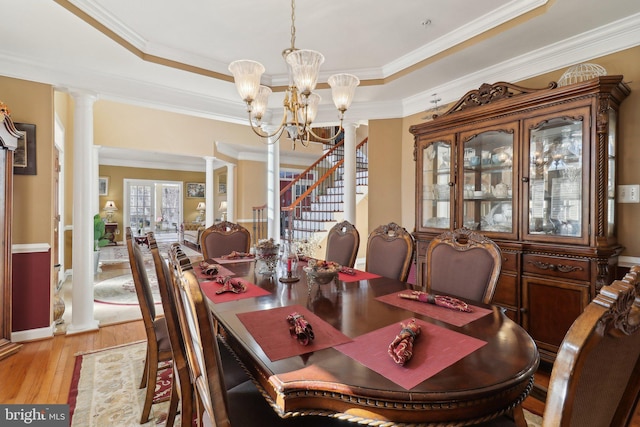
(223, 238)
(141, 283)
(595, 379)
(204, 361)
(343, 242)
(166, 284)
(463, 263)
(390, 251)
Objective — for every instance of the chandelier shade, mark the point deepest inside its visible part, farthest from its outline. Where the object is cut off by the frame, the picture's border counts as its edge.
(300, 102)
(246, 74)
(343, 88)
(305, 67)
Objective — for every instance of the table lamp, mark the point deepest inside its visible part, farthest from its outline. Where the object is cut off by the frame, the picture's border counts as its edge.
(201, 208)
(223, 209)
(110, 207)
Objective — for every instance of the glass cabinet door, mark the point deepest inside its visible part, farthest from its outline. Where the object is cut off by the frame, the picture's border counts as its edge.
(437, 185)
(487, 190)
(556, 180)
(611, 170)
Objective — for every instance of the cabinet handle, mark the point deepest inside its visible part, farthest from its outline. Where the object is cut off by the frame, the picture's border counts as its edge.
(523, 310)
(451, 184)
(525, 179)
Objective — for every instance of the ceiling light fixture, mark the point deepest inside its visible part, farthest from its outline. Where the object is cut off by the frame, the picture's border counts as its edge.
(300, 102)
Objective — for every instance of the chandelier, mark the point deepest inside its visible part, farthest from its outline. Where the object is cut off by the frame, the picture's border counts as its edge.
(300, 102)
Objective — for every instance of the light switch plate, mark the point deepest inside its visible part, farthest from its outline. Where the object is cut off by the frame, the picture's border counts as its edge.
(629, 193)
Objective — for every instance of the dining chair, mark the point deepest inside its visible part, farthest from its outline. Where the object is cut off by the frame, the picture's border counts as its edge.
(223, 238)
(181, 391)
(234, 372)
(595, 379)
(343, 242)
(390, 251)
(158, 343)
(243, 405)
(463, 263)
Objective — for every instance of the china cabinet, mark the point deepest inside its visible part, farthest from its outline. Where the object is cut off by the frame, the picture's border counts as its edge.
(534, 170)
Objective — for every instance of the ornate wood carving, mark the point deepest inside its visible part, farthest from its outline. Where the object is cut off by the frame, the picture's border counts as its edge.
(562, 268)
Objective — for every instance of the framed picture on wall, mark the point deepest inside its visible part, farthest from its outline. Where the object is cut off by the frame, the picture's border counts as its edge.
(103, 186)
(24, 158)
(195, 190)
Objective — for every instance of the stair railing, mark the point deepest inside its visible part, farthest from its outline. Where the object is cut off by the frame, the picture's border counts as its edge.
(319, 201)
(259, 223)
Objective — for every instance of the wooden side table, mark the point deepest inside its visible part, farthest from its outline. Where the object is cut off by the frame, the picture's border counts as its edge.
(110, 231)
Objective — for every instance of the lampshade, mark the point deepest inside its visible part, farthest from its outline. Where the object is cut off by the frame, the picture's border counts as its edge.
(247, 75)
(260, 102)
(223, 206)
(201, 206)
(343, 87)
(305, 66)
(110, 206)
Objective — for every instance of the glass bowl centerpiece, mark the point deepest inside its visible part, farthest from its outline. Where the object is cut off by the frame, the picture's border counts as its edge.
(321, 272)
(267, 252)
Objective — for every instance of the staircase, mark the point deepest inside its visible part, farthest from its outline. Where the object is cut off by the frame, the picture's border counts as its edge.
(321, 205)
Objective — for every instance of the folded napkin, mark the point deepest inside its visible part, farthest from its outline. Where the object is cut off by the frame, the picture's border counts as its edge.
(401, 348)
(230, 285)
(300, 328)
(441, 300)
(348, 270)
(209, 269)
(236, 255)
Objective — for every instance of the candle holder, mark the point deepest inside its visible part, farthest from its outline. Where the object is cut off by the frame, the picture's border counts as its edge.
(289, 262)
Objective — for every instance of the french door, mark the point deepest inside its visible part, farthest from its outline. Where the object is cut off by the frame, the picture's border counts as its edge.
(153, 206)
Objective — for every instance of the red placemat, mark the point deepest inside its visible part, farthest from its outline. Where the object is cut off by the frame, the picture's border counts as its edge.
(435, 349)
(271, 330)
(453, 317)
(360, 275)
(231, 261)
(209, 288)
(222, 271)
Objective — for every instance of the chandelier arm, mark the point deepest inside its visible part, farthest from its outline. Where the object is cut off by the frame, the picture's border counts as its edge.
(261, 133)
(310, 131)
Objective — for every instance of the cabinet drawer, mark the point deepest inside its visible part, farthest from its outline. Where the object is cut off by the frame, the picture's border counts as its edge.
(506, 292)
(565, 268)
(509, 261)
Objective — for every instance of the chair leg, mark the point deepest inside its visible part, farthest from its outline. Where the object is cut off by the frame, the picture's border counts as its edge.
(173, 404)
(151, 388)
(145, 371)
(186, 405)
(518, 416)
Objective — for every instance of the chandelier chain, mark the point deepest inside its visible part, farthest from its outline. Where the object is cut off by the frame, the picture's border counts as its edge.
(293, 25)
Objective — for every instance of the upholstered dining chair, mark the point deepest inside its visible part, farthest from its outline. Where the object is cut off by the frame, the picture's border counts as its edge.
(463, 263)
(343, 242)
(223, 238)
(390, 251)
(158, 344)
(181, 391)
(240, 406)
(595, 379)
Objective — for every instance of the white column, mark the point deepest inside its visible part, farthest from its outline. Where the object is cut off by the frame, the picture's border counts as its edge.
(95, 153)
(349, 197)
(231, 192)
(209, 201)
(85, 194)
(273, 188)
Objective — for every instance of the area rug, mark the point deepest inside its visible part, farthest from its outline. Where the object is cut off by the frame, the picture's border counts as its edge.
(121, 290)
(104, 389)
(117, 254)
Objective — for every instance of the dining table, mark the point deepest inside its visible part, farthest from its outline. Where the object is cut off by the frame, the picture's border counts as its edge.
(464, 367)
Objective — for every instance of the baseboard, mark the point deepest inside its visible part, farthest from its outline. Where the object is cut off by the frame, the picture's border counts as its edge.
(33, 334)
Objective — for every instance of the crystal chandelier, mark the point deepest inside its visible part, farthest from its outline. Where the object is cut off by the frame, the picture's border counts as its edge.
(300, 102)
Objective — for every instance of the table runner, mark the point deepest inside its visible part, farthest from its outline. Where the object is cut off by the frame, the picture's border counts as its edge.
(209, 288)
(453, 317)
(231, 261)
(435, 349)
(271, 330)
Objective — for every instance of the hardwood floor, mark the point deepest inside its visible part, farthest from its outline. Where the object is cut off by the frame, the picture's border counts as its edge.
(41, 372)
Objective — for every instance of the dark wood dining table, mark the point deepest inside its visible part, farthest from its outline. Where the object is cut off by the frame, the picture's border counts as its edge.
(493, 377)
